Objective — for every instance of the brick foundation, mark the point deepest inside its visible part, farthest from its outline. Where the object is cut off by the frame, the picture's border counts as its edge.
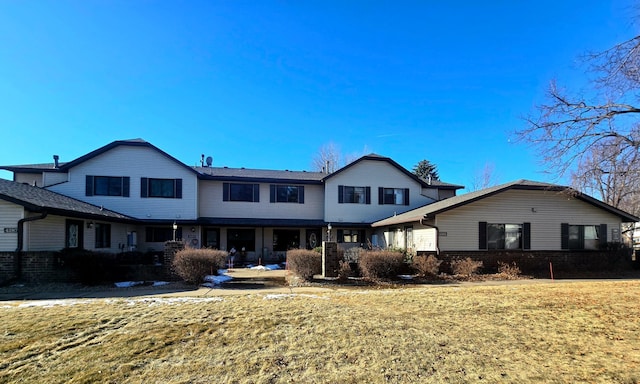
(170, 250)
(536, 263)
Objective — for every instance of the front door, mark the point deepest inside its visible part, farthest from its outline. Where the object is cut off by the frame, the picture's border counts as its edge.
(74, 234)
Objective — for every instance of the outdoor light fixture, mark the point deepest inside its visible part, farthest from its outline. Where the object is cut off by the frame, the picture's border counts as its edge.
(90, 224)
(175, 227)
(329, 232)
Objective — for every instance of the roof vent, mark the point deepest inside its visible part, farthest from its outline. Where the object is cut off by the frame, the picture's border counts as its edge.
(55, 161)
(209, 161)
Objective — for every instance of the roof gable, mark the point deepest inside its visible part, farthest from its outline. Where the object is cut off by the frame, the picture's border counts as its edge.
(375, 157)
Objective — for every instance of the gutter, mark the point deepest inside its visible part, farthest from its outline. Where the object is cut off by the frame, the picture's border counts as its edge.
(437, 233)
(18, 259)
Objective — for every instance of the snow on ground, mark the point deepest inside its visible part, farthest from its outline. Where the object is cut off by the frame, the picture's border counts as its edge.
(281, 296)
(268, 267)
(129, 284)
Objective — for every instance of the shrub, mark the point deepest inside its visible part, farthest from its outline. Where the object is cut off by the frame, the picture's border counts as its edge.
(465, 267)
(344, 270)
(508, 271)
(426, 265)
(380, 264)
(91, 268)
(304, 263)
(192, 265)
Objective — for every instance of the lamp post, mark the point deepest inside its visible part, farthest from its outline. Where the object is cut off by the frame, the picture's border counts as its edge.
(329, 232)
(175, 227)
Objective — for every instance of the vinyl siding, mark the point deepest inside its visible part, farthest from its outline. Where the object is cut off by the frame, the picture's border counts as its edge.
(9, 215)
(46, 235)
(212, 205)
(135, 162)
(515, 207)
(374, 174)
(28, 178)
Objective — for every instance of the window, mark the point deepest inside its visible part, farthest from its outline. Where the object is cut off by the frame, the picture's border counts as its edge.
(162, 234)
(285, 239)
(504, 236)
(107, 186)
(241, 192)
(354, 195)
(393, 196)
(350, 236)
(287, 194)
(103, 235)
(241, 238)
(583, 236)
(494, 236)
(164, 188)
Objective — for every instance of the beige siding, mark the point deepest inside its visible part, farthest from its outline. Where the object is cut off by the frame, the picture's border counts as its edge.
(45, 235)
(545, 210)
(424, 238)
(374, 174)
(211, 204)
(136, 163)
(9, 215)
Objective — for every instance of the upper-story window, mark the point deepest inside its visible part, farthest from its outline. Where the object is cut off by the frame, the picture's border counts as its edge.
(241, 192)
(107, 186)
(287, 194)
(393, 196)
(354, 195)
(165, 188)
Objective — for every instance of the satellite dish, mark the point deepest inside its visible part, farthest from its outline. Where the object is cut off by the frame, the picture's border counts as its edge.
(209, 161)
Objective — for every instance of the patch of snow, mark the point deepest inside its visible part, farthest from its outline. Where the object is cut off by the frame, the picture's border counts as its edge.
(269, 267)
(406, 277)
(159, 283)
(51, 303)
(128, 284)
(216, 279)
(281, 296)
(153, 301)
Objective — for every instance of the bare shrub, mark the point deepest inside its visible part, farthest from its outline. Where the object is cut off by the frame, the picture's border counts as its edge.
(192, 265)
(508, 271)
(380, 264)
(304, 263)
(426, 265)
(344, 270)
(465, 267)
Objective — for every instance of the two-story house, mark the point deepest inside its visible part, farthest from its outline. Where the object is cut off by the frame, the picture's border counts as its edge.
(159, 198)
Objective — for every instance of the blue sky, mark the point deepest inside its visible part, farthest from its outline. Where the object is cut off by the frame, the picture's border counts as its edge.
(265, 84)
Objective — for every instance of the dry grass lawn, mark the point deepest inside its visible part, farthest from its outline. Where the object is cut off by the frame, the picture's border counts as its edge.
(560, 332)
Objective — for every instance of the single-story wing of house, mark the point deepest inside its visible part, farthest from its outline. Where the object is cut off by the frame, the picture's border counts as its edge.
(520, 219)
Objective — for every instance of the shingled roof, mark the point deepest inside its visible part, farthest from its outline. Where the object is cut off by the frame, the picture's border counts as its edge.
(259, 175)
(460, 200)
(41, 200)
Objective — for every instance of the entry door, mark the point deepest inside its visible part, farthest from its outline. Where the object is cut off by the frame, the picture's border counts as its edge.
(211, 238)
(74, 234)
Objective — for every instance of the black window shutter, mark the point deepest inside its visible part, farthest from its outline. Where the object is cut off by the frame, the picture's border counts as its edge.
(340, 235)
(526, 236)
(89, 186)
(178, 188)
(380, 195)
(406, 196)
(564, 236)
(301, 194)
(603, 236)
(482, 235)
(225, 191)
(340, 194)
(368, 194)
(144, 187)
(256, 193)
(125, 186)
(272, 193)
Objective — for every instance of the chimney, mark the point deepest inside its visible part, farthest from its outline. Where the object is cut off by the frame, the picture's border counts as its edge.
(202, 160)
(55, 161)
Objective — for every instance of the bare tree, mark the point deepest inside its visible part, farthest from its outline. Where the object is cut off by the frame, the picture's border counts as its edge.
(594, 136)
(328, 158)
(484, 178)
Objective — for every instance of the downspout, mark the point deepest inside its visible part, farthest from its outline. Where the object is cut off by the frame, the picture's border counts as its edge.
(437, 234)
(18, 260)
